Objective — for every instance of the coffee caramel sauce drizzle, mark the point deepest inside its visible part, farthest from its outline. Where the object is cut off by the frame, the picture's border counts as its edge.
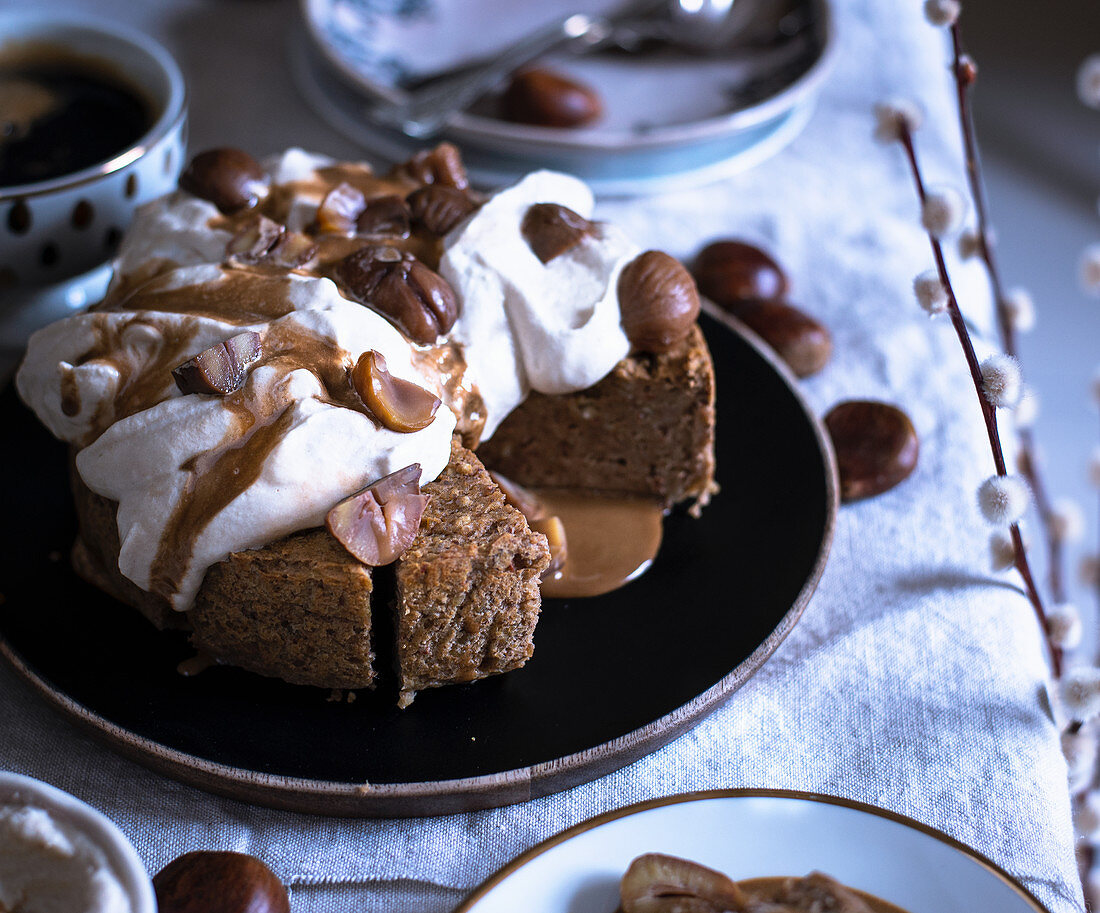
(215, 478)
(609, 541)
(446, 360)
(218, 476)
(142, 381)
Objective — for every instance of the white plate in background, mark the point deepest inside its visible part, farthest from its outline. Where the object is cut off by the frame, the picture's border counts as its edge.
(672, 118)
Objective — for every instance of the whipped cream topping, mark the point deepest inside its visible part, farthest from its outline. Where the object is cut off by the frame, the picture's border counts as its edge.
(49, 866)
(198, 477)
(525, 325)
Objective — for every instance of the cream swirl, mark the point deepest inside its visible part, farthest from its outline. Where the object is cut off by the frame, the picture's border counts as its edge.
(197, 477)
(526, 325)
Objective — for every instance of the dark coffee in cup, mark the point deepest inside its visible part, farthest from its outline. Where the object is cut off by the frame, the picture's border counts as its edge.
(60, 113)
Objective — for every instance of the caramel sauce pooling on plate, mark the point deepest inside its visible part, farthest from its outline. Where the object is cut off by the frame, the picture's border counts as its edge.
(609, 541)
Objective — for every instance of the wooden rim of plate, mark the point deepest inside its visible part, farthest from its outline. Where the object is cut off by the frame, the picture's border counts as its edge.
(702, 795)
(444, 797)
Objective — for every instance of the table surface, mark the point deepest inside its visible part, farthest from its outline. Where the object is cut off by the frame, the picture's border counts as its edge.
(956, 733)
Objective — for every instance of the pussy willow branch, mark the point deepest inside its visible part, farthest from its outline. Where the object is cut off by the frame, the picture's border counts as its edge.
(989, 413)
(1027, 457)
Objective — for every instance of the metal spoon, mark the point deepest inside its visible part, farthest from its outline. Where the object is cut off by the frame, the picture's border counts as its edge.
(427, 108)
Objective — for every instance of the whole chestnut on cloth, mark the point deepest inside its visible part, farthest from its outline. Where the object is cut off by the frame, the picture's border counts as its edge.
(876, 447)
(730, 271)
(219, 882)
(802, 341)
(748, 283)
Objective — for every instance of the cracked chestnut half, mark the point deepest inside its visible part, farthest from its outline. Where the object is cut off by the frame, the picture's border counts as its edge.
(415, 298)
(221, 369)
(441, 165)
(658, 302)
(377, 524)
(438, 209)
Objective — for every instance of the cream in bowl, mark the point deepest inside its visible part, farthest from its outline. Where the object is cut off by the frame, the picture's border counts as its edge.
(58, 855)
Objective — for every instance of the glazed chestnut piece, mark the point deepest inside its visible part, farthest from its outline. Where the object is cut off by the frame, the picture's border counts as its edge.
(658, 302)
(388, 215)
(398, 404)
(729, 272)
(549, 99)
(876, 447)
(253, 241)
(230, 179)
(656, 883)
(219, 882)
(804, 343)
(551, 229)
(441, 165)
(438, 209)
(340, 210)
(377, 524)
(221, 369)
(416, 299)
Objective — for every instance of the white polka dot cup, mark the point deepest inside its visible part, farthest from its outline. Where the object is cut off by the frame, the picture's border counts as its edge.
(54, 230)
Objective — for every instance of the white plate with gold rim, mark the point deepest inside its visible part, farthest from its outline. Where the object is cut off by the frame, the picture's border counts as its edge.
(752, 834)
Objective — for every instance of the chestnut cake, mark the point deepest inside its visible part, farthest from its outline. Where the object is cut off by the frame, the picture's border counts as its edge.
(282, 412)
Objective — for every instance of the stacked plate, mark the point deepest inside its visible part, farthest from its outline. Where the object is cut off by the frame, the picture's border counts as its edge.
(673, 117)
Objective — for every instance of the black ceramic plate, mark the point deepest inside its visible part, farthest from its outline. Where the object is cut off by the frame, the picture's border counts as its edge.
(613, 678)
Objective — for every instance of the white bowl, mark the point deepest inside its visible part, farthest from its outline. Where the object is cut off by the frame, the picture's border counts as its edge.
(127, 867)
(54, 230)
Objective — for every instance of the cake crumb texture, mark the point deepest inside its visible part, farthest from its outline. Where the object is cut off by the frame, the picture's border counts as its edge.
(647, 429)
(467, 590)
(298, 609)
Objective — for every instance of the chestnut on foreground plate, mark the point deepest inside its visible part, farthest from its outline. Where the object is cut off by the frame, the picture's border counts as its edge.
(755, 834)
(612, 679)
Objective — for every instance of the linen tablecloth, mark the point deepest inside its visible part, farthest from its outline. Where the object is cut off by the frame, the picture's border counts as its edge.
(915, 680)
